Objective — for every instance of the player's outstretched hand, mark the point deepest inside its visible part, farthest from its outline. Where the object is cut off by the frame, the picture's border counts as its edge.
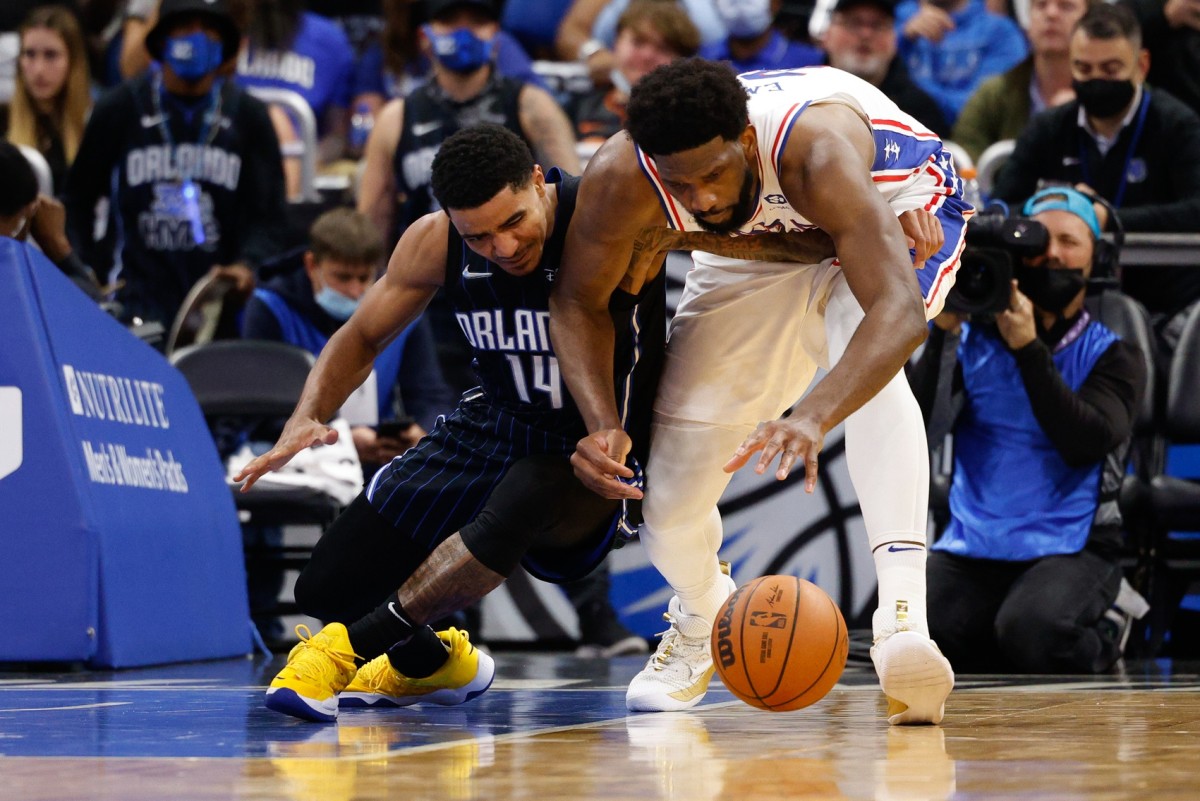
(297, 435)
(925, 234)
(599, 462)
(791, 439)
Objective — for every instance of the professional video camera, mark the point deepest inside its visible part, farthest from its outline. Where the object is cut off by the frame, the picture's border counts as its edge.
(995, 242)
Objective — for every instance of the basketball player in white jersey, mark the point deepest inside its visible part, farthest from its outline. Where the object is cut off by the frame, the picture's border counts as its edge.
(772, 151)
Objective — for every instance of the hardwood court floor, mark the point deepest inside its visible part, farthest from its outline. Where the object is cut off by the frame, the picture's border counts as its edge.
(555, 727)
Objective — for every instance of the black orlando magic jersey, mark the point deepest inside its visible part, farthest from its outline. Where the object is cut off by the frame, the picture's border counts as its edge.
(506, 319)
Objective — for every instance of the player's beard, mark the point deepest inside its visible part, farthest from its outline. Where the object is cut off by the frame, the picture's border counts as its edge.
(742, 211)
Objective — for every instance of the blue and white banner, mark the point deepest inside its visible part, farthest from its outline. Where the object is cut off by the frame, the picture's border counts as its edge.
(119, 537)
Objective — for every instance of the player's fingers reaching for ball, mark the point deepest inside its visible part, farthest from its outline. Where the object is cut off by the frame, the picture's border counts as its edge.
(750, 445)
(293, 440)
(793, 440)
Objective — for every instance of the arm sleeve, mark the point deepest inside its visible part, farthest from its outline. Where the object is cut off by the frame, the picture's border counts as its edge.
(261, 187)
(90, 174)
(423, 389)
(1084, 425)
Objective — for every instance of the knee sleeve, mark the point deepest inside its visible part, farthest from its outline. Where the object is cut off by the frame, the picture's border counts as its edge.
(528, 501)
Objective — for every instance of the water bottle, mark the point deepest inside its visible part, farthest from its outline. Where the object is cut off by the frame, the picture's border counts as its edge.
(971, 191)
(361, 123)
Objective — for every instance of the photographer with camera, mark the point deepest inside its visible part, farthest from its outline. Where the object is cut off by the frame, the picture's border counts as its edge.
(1025, 577)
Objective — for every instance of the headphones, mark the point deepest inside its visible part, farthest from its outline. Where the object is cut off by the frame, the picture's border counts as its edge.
(1106, 255)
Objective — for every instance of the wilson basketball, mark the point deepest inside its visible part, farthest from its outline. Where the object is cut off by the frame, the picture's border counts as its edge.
(780, 643)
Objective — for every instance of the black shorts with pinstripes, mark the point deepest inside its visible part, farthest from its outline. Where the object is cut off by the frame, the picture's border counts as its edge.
(442, 483)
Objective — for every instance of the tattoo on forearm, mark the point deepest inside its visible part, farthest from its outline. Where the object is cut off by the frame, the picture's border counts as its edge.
(805, 247)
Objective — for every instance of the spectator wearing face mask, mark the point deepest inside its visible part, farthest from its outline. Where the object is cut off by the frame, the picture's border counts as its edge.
(190, 164)
(753, 43)
(1130, 143)
(305, 307)
(465, 88)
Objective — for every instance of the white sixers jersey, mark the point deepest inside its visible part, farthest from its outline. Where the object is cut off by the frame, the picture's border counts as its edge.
(911, 169)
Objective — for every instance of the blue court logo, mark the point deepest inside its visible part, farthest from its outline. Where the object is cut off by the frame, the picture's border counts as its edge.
(11, 430)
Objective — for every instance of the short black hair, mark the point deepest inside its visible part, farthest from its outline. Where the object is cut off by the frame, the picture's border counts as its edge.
(1109, 21)
(19, 187)
(475, 164)
(685, 104)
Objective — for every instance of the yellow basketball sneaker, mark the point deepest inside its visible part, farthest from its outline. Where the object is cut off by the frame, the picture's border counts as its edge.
(467, 674)
(318, 668)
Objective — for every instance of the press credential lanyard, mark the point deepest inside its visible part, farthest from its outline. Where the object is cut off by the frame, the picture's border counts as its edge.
(189, 193)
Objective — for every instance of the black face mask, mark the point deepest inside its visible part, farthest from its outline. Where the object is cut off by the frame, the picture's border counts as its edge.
(1050, 290)
(1103, 98)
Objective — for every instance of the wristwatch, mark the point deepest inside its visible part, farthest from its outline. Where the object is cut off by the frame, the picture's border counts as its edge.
(588, 49)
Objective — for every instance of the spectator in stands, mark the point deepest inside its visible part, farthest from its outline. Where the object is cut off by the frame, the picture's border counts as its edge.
(1025, 576)
(1002, 105)
(53, 92)
(951, 46)
(306, 306)
(1136, 146)
(649, 34)
(1171, 31)
(753, 42)
(589, 30)
(24, 215)
(465, 89)
(393, 67)
(289, 48)
(861, 39)
(190, 164)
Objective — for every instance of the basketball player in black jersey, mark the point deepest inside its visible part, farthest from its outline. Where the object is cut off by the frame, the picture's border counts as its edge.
(491, 487)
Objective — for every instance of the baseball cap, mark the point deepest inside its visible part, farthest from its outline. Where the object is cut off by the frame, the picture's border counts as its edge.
(886, 6)
(1064, 198)
(435, 8)
(216, 10)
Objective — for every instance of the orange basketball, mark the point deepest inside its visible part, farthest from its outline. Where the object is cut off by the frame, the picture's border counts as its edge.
(780, 643)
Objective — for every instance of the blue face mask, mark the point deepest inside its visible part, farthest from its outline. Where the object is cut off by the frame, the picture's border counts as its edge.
(335, 304)
(192, 56)
(460, 50)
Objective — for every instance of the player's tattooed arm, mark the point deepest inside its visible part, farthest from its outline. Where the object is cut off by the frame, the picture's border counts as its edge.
(805, 247)
(548, 130)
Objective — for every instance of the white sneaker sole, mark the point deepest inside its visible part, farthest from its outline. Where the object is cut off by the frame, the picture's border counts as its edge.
(290, 702)
(656, 700)
(914, 676)
(454, 696)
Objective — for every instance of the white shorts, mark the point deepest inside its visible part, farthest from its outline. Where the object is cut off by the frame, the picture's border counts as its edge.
(746, 339)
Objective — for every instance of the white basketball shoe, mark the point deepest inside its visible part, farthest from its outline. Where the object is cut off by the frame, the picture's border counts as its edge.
(676, 676)
(914, 675)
